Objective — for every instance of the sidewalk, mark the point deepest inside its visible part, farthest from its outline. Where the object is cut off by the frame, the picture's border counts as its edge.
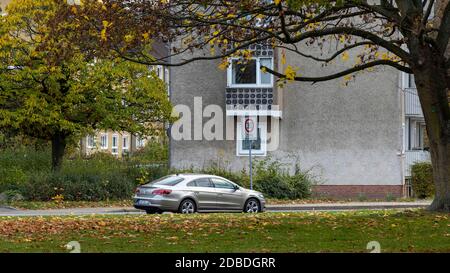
(8, 211)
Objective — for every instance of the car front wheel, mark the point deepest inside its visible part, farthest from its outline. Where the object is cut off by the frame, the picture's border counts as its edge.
(252, 206)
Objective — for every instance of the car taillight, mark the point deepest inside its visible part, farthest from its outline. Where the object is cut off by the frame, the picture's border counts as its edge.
(137, 191)
(161, 192)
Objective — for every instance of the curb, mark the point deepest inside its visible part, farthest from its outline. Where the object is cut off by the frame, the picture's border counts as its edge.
(7, 207)
(355, 207)
(124, 211)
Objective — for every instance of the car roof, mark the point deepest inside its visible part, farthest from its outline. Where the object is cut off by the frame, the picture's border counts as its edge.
(192, 176)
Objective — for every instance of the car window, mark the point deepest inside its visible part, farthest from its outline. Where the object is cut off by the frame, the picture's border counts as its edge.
(203, 182)
(192, 184)
(167, 181)
(222, 184)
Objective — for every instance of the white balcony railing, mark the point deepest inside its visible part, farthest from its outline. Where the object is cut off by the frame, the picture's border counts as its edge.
(253, 110)
(412, 157)
(412, 103)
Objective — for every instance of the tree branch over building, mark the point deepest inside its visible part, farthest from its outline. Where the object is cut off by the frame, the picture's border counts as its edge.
(366, 34)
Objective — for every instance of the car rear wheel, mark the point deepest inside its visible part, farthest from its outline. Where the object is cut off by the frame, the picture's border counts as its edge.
(252, 206)
(187, 206)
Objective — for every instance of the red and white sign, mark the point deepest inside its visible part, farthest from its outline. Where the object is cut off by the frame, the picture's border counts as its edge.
(250, 128)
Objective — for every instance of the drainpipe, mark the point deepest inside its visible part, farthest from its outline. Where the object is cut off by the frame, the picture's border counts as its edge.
(403, 120)
(169, 128)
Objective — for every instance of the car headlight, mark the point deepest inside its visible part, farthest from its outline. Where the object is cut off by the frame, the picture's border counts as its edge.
(260, 195)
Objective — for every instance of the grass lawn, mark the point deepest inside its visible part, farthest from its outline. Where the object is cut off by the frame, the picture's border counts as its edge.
(396, 231)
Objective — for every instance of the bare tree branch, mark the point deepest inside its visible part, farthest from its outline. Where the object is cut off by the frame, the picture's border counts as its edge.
(345, 72)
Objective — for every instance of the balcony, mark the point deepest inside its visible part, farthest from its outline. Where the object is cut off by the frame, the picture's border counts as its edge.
(412, 103)
(250, 90)
(251, 101)
(415, 156)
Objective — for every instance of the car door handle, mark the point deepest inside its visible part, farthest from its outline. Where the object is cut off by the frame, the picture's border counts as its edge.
(220, 194)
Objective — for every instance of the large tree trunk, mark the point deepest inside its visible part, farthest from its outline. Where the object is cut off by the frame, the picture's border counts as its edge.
(59, 143)
(432, 85)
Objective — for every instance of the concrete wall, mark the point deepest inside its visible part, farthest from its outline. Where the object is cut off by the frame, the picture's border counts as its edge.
(349, 135)
(352, 133)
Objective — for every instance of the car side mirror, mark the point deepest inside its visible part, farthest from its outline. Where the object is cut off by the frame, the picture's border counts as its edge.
(236, 187)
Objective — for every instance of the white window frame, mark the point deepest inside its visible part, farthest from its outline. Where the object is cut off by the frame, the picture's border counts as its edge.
(419, 135)
(125, 143)
(116, 146)
(139, 139)
(258, 74)
(88, 144)
(262, 126)
(406, 80)
(104, 147)
(160, 72)
(167, 80)
(433, 9)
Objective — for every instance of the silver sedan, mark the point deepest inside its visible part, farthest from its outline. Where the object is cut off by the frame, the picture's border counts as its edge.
(189, 193)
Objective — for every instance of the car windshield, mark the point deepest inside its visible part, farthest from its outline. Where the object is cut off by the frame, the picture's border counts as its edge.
(166, 181)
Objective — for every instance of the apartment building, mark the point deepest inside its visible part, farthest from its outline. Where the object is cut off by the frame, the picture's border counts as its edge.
(359, 138)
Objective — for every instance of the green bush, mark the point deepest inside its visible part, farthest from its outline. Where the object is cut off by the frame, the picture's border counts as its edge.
(422, 179)
(300, 183)
(98, 177)
(11, 178)
(240, 178)
(18, 165)
(81, 180)
(275, 182)
(153, 152)
(27, 159)
(146, 173)
(273, 186)
(38, 187)
(89, 187)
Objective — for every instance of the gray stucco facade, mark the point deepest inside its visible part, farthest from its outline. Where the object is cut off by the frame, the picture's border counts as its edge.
(351, 136)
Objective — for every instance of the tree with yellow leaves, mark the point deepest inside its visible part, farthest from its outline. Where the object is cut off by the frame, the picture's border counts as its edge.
(50, 89)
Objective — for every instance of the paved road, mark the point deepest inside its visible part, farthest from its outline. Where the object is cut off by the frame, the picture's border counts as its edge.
(6, 211)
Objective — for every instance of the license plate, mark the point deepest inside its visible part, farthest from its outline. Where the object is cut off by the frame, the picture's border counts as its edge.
(143, 203)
